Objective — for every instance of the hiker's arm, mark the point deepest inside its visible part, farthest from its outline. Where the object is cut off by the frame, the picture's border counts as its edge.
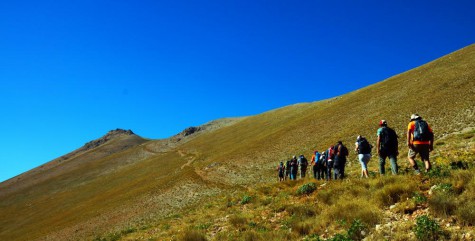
(431, 146)
(377, 143)
(409, 144)
(356, 147)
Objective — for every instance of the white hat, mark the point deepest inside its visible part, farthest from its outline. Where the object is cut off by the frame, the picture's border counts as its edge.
(415, 117)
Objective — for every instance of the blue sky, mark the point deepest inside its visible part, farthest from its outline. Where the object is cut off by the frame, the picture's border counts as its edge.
(72, 70)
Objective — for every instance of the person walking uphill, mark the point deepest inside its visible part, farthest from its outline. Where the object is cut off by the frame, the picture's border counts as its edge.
(387, 144)
(303, 163)
(317, 165)
(363, 148)
(281, 171)
(420, 140)
(293, 168)
(287, 169)
(329, 156)
(341, 152)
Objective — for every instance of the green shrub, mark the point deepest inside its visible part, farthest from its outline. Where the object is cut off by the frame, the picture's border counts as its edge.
(339, 237)
(427, 229)
(307, 189)
(439, 172)
(246, 199)
(357, 230)
(419, 198)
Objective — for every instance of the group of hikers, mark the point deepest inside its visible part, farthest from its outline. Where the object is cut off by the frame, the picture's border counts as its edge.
(420, 141)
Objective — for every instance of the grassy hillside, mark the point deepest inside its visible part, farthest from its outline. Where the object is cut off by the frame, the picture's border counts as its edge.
(158, 189)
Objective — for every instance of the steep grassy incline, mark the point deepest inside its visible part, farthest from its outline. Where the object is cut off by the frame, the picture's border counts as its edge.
(442, 92)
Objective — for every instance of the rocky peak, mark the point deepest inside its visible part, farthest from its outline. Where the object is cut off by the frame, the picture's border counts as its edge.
(109, 136)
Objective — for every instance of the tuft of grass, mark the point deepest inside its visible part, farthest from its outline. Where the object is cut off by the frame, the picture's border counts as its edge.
(193, 235)
(394, 192)
(238, 221)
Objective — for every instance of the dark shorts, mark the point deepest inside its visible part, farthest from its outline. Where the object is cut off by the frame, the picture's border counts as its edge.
(422, 150)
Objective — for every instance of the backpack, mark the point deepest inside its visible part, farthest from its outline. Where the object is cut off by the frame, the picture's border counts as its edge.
(317, 158)
(364, 147)
(303, 162)
(422, 131)
(388, 140)
(281, 169)
(330, 154)
(287, 166)
(343, 151)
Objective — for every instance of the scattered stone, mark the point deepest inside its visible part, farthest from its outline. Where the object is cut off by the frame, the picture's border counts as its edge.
(378, 226)
(392, 207)
(432, 189)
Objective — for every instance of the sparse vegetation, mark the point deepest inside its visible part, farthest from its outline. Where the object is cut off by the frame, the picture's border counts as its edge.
(427, 229)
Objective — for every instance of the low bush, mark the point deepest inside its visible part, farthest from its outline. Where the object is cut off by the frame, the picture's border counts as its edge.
(246, 199)
(427, 229)
(307, 189)
(419, 198)
(357, 230)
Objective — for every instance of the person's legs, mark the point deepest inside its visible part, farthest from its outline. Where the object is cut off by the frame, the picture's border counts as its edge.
(411, 155)
(382, 163)
(342, 170)
(363, 159)
(393, 161)
(424, 153)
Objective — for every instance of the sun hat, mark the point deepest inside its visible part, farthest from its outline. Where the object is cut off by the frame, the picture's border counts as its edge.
(415, 117)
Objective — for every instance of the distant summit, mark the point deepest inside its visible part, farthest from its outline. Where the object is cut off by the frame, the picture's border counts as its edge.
(109, 136)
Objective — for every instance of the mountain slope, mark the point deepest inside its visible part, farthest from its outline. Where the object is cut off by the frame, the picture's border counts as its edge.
(112, 188)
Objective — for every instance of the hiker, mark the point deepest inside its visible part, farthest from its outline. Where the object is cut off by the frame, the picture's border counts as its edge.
(329, 162)
(387, 145)
(340, 152)
(281, 171)
(420, 140)
(363, 148)
(322, 170)
(303, 163)
(293, 168)
(316, 163)
(287, 169)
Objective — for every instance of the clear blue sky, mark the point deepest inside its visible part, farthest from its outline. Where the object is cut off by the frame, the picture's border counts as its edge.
(72, 70)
